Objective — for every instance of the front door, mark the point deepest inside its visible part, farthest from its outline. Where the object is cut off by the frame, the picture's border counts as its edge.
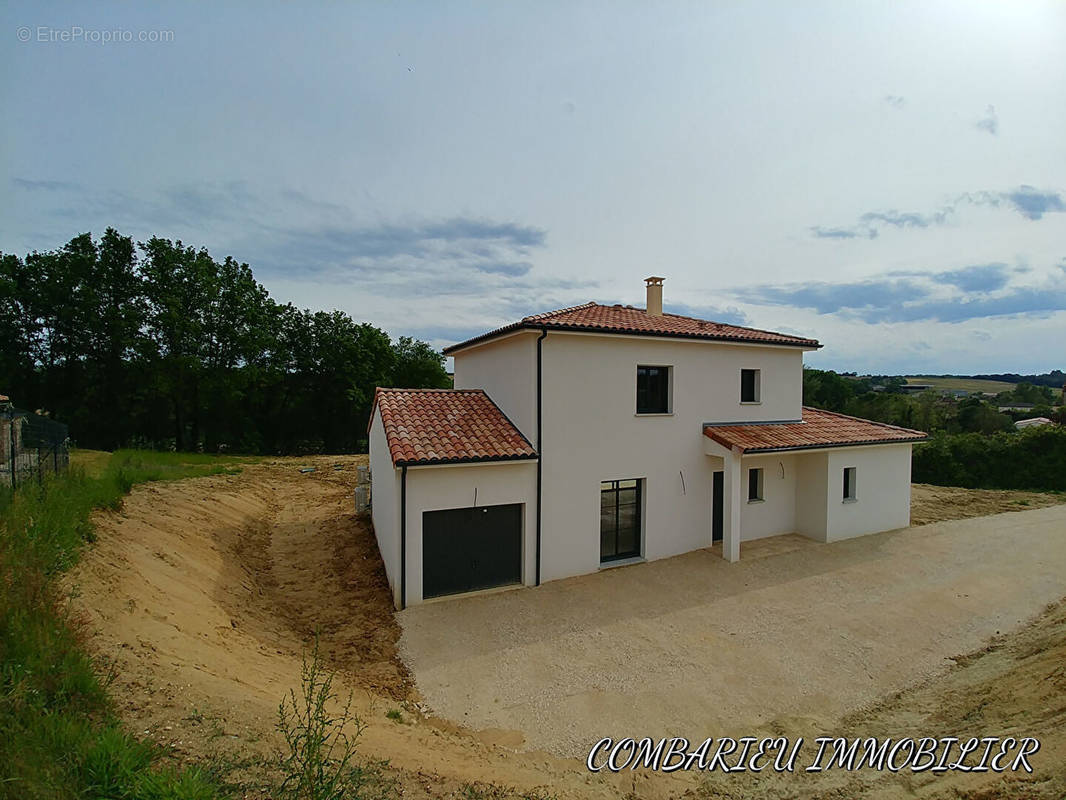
(718, 500)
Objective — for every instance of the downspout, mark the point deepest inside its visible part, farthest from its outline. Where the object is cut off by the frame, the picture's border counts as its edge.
(540, 444)
(403, 537)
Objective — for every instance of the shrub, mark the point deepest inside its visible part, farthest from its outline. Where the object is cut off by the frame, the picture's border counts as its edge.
(1034, 458)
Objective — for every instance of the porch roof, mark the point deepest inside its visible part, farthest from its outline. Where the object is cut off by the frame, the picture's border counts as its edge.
(818, 429)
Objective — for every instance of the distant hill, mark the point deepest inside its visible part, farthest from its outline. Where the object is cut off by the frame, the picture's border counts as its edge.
(963, 383)
(996, 382)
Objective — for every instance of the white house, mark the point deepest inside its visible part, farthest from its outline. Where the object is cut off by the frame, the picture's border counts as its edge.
(1032, 422)
(597, 436)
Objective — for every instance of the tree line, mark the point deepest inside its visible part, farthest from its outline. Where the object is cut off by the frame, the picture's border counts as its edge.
(157, 344)
(972, 443)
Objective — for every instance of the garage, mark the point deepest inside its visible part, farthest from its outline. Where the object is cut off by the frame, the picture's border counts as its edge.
(468, 549)
(454, 496)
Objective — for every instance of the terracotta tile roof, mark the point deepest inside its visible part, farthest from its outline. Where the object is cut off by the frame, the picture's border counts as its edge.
(443, 426)
(635, 321)
(819, 429)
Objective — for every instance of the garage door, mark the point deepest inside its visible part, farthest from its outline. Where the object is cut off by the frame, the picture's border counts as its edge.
(465, 549)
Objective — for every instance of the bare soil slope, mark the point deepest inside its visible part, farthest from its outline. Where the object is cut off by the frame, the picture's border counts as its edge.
(204, 594)
(938, 503)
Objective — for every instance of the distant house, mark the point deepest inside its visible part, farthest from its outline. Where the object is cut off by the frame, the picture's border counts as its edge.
(915, 388)
(1018, 407)
(1033, 422)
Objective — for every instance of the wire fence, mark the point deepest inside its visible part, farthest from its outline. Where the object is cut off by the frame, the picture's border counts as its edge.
(32, 447)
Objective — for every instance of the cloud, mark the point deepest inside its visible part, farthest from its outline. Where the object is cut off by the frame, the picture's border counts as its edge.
(977, 278)
(730, 315)
(895, 100)
(829, 298)
(843, 233)
(989, 123)
(973, 292)
(43, 186)
(1028, 201)
(1033, 204)
(513, 270)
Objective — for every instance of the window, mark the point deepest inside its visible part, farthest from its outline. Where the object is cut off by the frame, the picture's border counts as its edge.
(619, 520)
(849, 483)
(754, 485)
(653, 390)
(749, 385)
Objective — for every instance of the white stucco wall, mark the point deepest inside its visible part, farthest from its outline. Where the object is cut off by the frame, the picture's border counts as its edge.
(434, 488)
(507, 370)
(385, 503)
(812, 494)
(776, 513)
(883, 496)
(592, 433)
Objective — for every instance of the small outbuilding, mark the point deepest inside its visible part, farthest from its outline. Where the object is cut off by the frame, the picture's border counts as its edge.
(454, 488)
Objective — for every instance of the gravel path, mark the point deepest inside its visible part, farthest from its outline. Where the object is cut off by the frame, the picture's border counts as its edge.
(796, 633)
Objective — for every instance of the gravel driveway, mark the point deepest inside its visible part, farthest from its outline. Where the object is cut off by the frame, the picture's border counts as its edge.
(793, 636)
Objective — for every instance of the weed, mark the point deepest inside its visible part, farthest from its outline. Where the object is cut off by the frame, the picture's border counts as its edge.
(395, 715)
(321, 763)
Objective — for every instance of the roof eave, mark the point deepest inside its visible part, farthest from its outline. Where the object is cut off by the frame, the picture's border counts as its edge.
(803, 344)
(440, 462)
(757, 451)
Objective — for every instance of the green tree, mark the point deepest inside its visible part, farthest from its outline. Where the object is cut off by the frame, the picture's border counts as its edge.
(827, 389)
(417, 365)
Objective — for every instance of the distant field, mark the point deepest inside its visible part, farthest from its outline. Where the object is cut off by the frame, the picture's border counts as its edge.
(965, 384)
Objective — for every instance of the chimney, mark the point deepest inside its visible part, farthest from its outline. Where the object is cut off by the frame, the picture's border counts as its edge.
(655, 296)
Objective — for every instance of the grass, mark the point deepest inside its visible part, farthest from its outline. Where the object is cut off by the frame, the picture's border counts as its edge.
(59, 736)
(964, 384)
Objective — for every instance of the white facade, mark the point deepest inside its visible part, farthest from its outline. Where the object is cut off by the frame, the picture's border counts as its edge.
(385, 504)
(592, 433)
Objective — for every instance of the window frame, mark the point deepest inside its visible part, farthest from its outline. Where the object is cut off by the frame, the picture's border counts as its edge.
(756, 387)
(616, 488)
(668, 400)
(849, 489)
(759, 473)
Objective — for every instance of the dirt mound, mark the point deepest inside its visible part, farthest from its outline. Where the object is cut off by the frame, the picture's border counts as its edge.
(938, 503)
(204, 595)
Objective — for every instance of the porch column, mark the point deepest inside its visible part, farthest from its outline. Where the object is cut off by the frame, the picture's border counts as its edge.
(732, 489)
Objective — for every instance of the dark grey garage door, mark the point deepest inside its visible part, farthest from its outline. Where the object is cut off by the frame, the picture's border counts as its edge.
(465, 549)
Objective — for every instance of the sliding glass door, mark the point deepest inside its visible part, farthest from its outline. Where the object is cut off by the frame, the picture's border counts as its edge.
(619, 520)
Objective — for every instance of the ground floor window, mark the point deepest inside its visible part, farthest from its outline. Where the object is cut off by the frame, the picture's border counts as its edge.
(755, 485)
(849, 483)
(619, 519)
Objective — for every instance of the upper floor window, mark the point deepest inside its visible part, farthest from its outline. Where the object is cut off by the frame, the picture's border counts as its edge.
(653, 390)
(749, 385)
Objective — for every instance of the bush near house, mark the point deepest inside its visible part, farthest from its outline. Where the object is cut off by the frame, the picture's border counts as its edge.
(59, 737)
(1034, 458)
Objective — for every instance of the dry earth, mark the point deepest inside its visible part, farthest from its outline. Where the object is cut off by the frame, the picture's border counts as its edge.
(939, 503)
(204, 594)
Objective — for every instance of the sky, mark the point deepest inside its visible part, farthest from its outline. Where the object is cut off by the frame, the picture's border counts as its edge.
(886, 177)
